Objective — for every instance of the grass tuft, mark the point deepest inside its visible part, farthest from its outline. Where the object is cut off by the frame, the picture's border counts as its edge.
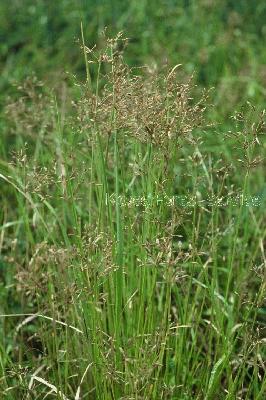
(136, 249)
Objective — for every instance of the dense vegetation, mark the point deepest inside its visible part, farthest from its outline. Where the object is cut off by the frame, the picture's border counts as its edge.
(132, 230)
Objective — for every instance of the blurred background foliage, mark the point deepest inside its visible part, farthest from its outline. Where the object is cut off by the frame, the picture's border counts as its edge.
(222, 41)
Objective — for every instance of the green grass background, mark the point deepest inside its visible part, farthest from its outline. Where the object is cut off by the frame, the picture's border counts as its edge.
(222, 41)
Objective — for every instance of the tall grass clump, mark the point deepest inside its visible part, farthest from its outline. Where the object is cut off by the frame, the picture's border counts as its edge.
(132, 240)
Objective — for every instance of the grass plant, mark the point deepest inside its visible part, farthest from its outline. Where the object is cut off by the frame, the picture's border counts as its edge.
(132, 240)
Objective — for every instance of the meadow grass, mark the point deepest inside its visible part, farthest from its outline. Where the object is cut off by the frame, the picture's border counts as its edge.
(223, 42)
(132, 240)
